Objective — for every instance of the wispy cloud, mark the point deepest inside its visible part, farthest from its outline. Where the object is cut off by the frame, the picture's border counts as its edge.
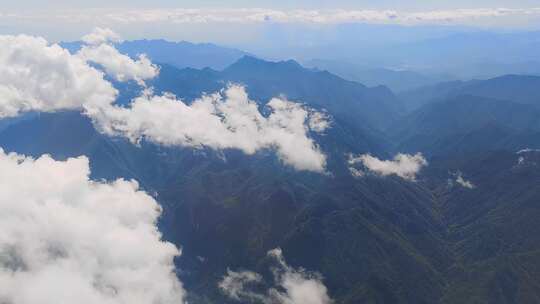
(292, 286)
(262, 15)
(460, 180)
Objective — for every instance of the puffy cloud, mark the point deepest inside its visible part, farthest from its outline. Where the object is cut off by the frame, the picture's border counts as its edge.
(403, 165)
(319, 122)
(301, 287)
(36, 76)
(120, 66)
(292, 286)
(225, 120)
(100, 50)
(100, 36)
(68, 239)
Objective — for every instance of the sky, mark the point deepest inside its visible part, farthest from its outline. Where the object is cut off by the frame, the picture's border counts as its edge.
(239, 23)
(283, 4)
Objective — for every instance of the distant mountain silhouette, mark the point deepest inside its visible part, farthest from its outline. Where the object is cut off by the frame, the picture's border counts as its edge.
(375, 106)
(361, 106)
(181, 54)
(396, 80)
(362, 111)
(465, 54)
(517, 88)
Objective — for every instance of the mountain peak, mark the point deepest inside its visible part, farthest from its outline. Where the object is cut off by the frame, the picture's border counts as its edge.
(249, 62)
(248, 59)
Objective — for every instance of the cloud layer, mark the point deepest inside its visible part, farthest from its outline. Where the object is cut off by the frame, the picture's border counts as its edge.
(67, 239)
(263, 15)
(292, 286)
(36, 76)
(403, 165)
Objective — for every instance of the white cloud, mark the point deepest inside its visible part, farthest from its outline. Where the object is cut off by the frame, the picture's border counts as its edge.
(356, 172)
(527, 150)
(120, 66)
(98, 49)
(403, 165)
(292, 286)
(301, 287)
(319, 122)
(67, 239)
(457, 178)
(235, 285)
(36, 76)
(100, 36)
(464, 183)
(332, 16)
(225, 120)
(524, 157)
(458, 15)
(263, 15)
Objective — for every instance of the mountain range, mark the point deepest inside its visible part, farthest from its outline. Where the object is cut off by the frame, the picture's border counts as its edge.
(181, 54)
(515, 88)
(396, 80)
(374, 239)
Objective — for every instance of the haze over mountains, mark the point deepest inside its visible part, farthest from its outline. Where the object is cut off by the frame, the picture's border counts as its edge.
(181, 54)
(427, 55)
(397, 80)
(460, 227)
(456, 52)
